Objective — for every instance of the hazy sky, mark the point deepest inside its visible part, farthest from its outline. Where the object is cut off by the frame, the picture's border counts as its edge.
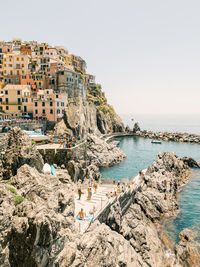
(145, 53)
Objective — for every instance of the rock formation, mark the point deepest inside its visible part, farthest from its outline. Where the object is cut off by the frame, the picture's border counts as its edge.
(187, 250)
(38, 221)
(136, 128)
(167, 136)
(93, 115)
(18, 150)
(103, 154)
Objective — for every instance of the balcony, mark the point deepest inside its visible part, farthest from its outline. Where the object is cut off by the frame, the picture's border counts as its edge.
(11, 103)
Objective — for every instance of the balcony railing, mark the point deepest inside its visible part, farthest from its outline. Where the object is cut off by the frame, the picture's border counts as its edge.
(11, 103)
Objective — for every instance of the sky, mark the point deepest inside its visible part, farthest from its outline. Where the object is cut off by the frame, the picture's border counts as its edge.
(145, 53)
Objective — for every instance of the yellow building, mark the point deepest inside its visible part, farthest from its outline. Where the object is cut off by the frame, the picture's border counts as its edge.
(16, 64)
(68, 61)
(16, 99)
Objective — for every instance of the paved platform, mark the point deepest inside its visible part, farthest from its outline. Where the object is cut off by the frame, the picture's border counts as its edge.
(99, 200)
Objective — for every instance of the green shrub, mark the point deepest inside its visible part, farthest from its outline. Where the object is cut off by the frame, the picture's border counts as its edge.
(11, 189)
(19, 214)
(33, 142)
(19, 146)
(18, 200)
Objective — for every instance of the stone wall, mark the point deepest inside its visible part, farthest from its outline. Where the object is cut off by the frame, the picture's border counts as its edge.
(124, 201)
(63, 155)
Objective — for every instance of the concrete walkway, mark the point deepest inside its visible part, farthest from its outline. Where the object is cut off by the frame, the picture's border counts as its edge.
(100, 201)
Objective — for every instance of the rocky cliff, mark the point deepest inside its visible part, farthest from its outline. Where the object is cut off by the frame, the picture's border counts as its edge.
(37, 220)
(93, 115)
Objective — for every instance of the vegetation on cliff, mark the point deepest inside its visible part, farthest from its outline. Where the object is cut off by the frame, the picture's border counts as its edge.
(96, 96)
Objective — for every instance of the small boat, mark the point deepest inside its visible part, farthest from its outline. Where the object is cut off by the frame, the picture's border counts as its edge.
(156, 142)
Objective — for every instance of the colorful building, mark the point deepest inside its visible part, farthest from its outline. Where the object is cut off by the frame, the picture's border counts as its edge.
(15, 64)
(16, 99)
(49, 105)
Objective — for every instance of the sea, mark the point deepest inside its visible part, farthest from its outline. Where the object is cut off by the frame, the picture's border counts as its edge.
(141, 153)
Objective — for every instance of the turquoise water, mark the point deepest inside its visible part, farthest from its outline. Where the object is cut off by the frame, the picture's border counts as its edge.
(141, 153)
(189, 203)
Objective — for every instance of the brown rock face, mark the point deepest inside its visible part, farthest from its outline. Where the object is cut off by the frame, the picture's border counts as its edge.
(19, 151)
(187, 250)
(42, 223)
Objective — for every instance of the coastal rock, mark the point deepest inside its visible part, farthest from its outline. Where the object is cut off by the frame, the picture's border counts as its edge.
(167, 136)
(187, 250)
(94, 116)
(135, 213)
(42, 224)
(136, 128)
(127, 129)
(19, 151)
(103, 247)
(191, 162)
(102, 154)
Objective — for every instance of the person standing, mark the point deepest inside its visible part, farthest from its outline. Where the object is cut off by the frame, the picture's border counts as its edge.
(79, 193)
(95, 188)
(89, 193)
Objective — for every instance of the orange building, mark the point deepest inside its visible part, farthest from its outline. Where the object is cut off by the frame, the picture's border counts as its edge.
(25, 50)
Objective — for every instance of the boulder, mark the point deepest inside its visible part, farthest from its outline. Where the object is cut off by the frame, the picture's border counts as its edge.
(136, 127)
(187, 251)
(191, 162)
(19, 151)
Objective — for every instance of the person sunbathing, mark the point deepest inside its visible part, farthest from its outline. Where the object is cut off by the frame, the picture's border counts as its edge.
(81, 214)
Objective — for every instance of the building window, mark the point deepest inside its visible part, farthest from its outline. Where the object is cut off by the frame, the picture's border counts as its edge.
(6, 100)
(17, 59)
(19, 107)
(1, 108)
(63, 111)
(51, 104)
(43, 104)
(19, 100)
(51, 111)
(56, 96)
(43, 111)
(7, 107)
(62, 104)
(58, 111)
(57, 104)
(36, 104)
(47, 92)
(18, 92)
(6, 92)
(36, 111)
(22, 59)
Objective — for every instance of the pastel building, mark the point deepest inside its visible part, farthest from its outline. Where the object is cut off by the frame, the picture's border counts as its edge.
(49, 105)
(16, 99)
(15, 64)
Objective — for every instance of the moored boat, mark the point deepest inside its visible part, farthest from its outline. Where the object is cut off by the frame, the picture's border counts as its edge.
(156, 142)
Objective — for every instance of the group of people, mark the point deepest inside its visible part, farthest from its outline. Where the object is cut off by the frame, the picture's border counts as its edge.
(66, 141)
(69, 141)
(89, 191)
(82, 215)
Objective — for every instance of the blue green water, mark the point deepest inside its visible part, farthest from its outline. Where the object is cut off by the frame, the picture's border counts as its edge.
(140, 154)
(189, 204)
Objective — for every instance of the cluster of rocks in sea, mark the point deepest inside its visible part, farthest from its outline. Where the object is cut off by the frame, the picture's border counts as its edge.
(166, 136)
(38, 222)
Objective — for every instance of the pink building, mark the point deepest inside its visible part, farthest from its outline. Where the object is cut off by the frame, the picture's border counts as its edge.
(49, 105)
